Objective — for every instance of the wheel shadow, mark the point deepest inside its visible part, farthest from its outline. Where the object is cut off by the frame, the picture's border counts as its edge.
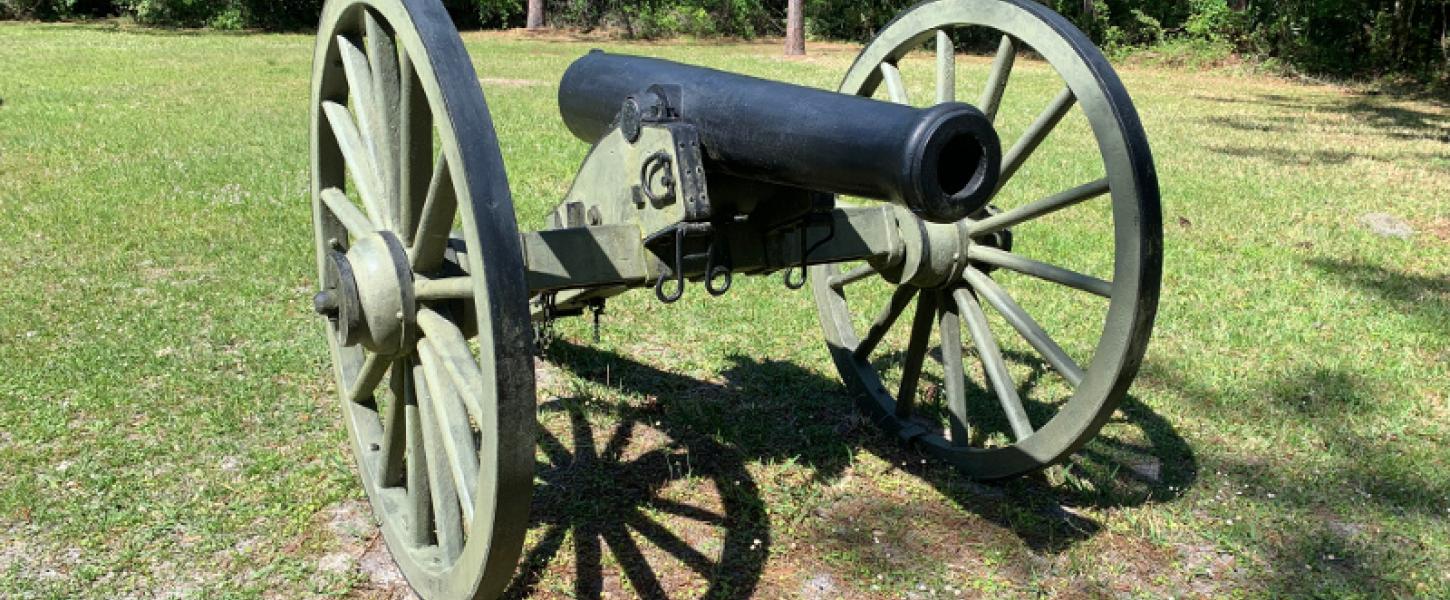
(652, 494)
(771, 412)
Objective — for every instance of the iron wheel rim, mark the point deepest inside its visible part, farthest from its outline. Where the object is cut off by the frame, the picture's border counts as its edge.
(437, 94)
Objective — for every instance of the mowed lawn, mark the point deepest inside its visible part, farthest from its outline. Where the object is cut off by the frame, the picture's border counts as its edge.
(168, 426)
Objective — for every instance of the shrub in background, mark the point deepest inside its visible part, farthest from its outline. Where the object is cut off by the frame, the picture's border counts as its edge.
(855, 20)
(664, 18)
(56, 9)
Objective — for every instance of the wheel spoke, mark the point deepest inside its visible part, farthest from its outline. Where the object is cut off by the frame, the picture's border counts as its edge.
(951, 362)
(448, 344)
(450, 288)
(371, 374)
(447, 525)
(842, 280)
(369, 111)
(420, 506)
(347, 213)
(1040, 270)
(993, 363)
(456, 437)
(359, 161)
(382, 54)
(1025, 325)
(895, 87)
(916, 353)
(416, 165)
(394, 425)
(899, 299)
(946, 68)
(1035, 134)
(436, 220)
(997, 81)
(1045, 206)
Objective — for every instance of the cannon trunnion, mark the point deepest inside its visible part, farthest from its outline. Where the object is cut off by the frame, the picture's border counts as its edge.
(1028, 231)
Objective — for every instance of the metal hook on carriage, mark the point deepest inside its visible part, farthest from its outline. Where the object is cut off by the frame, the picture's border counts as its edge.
(677, 269)
(718, 270)
(805, 229)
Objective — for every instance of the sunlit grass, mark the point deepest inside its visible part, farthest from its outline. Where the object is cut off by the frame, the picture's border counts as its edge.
(167, 422)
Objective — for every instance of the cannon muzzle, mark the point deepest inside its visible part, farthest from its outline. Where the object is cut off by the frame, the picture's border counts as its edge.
(941, 162)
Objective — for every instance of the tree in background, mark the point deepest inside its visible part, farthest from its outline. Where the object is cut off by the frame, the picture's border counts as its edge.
(795, 28)
(536, 14)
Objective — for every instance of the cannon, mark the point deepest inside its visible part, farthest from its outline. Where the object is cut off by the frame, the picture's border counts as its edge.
(434, 302)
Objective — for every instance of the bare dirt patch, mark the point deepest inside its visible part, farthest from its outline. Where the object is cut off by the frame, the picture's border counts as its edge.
(1440, 228)
(384, 580)
(1387, 225)
(349, 543)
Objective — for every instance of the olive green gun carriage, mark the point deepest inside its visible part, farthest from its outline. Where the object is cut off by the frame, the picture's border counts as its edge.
(433, 297)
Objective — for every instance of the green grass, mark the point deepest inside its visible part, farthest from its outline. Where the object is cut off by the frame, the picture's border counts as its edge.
(168, 428)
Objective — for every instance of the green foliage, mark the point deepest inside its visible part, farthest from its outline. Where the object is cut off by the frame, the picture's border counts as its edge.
(1351, 37)
(277, 15)
(855, 20)
(181, 13)
(1093, 17)
(497, 13)
(1214, 20)
(1335, 37)
(271, 15)
(1186, 52)
(665, 18)
(55, 9)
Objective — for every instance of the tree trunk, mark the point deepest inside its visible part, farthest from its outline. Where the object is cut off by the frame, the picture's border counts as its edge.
(536, 14)
(795, 28)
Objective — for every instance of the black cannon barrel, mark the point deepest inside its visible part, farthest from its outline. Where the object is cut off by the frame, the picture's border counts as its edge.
(941, 162)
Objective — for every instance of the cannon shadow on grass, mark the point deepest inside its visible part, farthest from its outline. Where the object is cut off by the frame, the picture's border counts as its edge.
(770, 412)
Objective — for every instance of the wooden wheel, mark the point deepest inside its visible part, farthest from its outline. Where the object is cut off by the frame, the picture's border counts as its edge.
(956, 273)
(403, 154)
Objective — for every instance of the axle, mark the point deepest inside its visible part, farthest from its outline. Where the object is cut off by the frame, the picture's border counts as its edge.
(942, 162)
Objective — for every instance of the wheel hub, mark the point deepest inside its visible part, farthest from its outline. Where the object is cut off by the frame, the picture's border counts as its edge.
(936, 254)
(368, 295)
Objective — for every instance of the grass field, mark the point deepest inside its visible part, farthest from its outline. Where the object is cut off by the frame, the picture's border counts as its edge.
(168, 427)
